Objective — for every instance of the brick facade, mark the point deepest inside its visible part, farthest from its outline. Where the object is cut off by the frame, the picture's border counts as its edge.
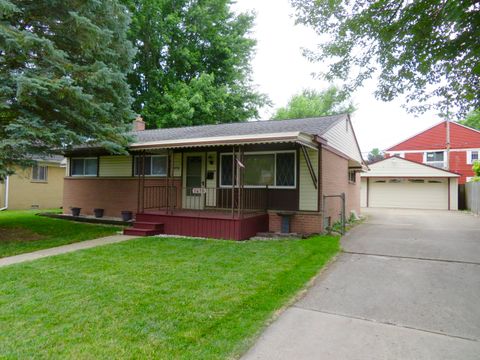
(300, 222)
(334, 182)
(111, 194)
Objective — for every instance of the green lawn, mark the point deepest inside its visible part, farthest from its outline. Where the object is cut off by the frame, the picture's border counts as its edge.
(24, 231)
(161, 298)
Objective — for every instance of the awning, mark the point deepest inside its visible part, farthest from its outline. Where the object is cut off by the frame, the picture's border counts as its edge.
(286, 137)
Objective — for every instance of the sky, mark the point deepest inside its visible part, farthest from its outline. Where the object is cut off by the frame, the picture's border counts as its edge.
(280, 71)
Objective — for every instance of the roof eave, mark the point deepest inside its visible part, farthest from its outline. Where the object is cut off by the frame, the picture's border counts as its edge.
(295, 137)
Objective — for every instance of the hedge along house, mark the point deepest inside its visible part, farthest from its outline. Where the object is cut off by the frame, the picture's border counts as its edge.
(224, 181)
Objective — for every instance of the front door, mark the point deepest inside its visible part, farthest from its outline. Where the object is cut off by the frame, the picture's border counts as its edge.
(194, 181)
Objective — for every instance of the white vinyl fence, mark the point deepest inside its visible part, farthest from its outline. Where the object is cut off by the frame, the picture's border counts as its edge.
(472, 196)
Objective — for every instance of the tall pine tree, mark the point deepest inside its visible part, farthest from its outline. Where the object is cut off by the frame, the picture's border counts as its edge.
(193, 62)
(63, 69)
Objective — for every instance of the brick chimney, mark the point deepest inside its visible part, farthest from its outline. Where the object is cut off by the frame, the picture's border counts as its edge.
(138, 124)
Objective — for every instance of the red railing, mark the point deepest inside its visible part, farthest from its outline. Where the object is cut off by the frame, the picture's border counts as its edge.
(237, 200)
(159, 197)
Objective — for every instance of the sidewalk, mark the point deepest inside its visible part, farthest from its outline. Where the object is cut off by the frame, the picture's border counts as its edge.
(63, 249)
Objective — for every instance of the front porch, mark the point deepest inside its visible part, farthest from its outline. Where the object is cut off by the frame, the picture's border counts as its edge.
(235, 213)
(200, 198)
(215, 224)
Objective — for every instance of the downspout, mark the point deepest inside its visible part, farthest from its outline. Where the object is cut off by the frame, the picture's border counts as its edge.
(6, 194)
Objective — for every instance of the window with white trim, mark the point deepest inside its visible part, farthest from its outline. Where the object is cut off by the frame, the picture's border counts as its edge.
(155, 165)
(472, 156)
(84, 166)
(435, 158)
(39, 173)
(352, 176)
(272, 169)
(399, 154)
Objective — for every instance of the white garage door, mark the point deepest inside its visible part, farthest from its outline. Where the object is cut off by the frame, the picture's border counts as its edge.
(408, 193)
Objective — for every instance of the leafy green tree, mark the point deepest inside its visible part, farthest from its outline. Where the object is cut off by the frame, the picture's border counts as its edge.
(476, 170)
(472, 120)
(375, 155)
(312, 103)
(193, 62)
(63, 67)
(427, 50)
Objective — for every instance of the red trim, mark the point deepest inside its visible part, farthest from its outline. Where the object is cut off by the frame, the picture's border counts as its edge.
(406, 177)
(207, 224)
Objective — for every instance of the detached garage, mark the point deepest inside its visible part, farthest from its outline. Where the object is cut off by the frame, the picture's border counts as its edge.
(405, 184)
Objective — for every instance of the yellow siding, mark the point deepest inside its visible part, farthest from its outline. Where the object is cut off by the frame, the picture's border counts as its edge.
(308, 193)
(26, 194)
(115, 166)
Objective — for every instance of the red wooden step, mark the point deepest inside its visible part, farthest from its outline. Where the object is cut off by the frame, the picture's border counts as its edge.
(141, 232)
(148, 225)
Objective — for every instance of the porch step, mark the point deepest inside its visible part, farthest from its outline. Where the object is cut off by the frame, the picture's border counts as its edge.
(148, 225)
(141, 232)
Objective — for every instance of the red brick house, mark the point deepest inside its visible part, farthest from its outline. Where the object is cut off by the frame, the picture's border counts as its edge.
(430, 147)
(226, 181)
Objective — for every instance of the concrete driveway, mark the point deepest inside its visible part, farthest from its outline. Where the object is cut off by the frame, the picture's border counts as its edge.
(406, 287)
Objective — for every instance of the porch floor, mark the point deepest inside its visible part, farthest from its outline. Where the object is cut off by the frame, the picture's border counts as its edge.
(217, 224)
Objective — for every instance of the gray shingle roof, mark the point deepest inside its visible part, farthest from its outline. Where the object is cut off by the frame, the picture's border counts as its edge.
(313, 126)
(49, 158)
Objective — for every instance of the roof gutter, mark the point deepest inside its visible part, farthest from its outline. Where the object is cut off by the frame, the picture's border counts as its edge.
(297, 137)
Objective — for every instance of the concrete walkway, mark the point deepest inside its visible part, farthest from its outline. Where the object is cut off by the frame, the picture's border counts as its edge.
(63, 249)
(406, 287)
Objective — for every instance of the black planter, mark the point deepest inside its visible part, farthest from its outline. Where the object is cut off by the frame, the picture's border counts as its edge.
(127, 215)
(98, 213)
(75, 211)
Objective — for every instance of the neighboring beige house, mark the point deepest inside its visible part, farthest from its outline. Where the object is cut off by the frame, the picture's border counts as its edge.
(36, 187)
(400, 183)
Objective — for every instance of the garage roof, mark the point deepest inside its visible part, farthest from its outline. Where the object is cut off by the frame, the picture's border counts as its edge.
(398, 167)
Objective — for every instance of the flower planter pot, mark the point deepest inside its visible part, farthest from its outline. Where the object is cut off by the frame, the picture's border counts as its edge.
(98, 213)
(75, 211)
(127, 215)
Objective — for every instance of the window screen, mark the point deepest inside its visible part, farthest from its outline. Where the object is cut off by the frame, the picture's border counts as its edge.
(39, 173)
(84, 167)
(285, 169)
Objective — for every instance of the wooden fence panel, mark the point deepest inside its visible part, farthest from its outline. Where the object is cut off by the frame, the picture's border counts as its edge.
(472, 195)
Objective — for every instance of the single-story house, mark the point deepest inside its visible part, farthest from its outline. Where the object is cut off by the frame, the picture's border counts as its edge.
(400, 183)
(37, 187)
(224, 181)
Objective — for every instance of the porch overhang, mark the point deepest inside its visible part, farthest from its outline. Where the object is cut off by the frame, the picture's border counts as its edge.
(285, 137)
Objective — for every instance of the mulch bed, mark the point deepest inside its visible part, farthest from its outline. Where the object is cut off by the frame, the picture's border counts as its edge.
(8, 234)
